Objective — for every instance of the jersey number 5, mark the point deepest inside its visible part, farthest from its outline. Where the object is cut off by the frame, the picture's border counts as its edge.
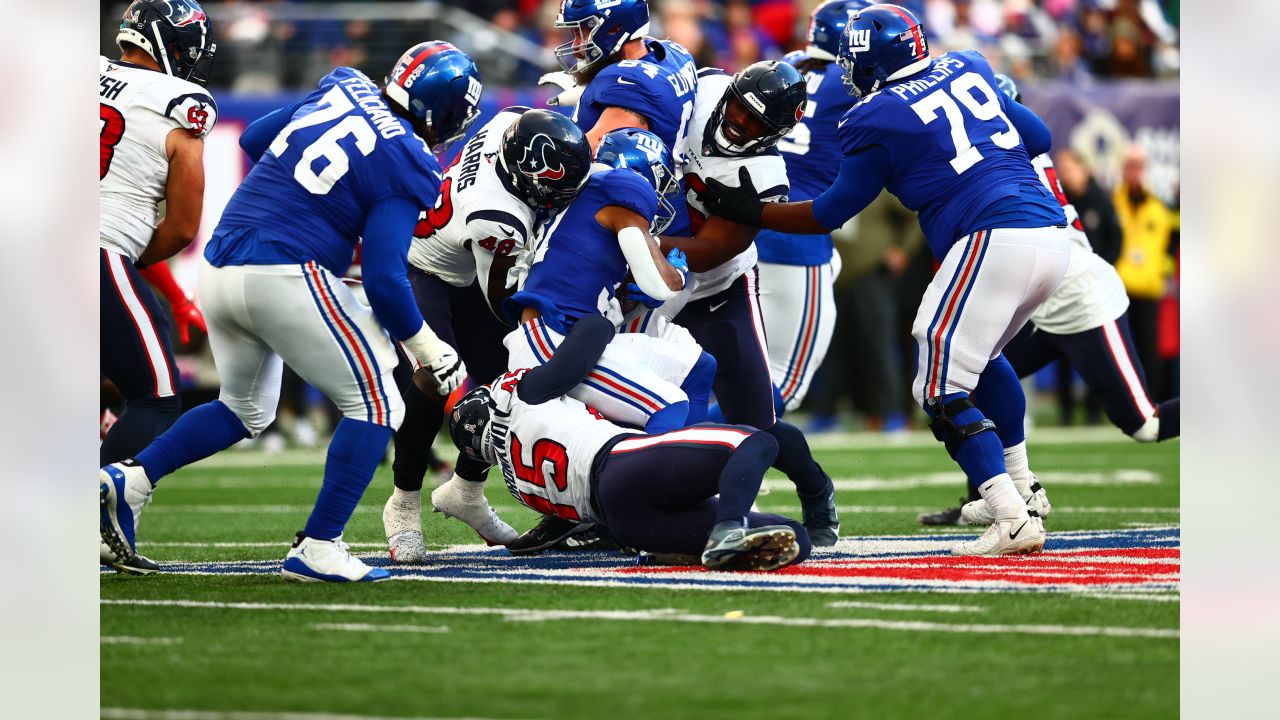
(109, 136)
(967, 155)
(332, 106)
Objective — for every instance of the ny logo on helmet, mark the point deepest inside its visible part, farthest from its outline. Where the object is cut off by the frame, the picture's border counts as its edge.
(534, 161)
(859, 40)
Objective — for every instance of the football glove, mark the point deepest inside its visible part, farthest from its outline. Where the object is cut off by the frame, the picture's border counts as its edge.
(569, 90)
(680, 262)
(438, 359)
(186, 315)
(740, 204)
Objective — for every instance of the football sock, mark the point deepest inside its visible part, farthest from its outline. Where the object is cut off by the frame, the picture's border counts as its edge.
(1002, 497)
(422, 419)
(999, 396)
(741, 476)
(697, 385)
(671, 417)
(199, 433)
(143, 420)
(796, 460)
(1168, 414)
(715, 414)
(354, 452)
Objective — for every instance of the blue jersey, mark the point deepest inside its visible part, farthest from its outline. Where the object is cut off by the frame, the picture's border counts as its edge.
(308, 196)
(811, 166)
(954, 155)
(658, 86)
(578, 262)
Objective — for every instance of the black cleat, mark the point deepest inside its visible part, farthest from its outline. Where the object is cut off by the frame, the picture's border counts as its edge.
(820, 517)
(593, 538)
(546, 534)
(950, 516)
(734, 547)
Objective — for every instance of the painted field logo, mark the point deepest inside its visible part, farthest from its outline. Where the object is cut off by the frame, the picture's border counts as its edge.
(1143, 561)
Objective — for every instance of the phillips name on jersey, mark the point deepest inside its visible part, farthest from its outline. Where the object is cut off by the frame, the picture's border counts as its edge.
(138, 109)
(475, 217)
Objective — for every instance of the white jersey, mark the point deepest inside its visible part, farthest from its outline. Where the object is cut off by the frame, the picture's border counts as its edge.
(546, 452)
(702, 161)
(1091, 293)
(476, 216)
(139, 108)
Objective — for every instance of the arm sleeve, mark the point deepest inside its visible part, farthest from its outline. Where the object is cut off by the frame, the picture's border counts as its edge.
(571, 362)
(387, 233)
(862, 177)
(1035, 134)
(258, 136)
(644, 268)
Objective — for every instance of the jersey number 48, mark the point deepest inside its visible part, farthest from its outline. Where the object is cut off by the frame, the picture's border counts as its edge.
(967, 155)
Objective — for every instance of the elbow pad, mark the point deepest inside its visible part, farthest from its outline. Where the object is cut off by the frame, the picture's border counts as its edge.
(635, 247)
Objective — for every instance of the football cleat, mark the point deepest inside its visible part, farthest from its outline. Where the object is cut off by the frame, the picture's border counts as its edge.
(550, 531)
(465, 500)
(949, 516)
(1019, 536)
(123, 491)
(312, 560)
(402, 520)
(820, 517)
(139, 565)
(732, 546)
(593, 538)
(979, 513)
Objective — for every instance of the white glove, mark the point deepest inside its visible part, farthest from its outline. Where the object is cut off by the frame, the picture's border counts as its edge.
(569, 89)
(438, 358)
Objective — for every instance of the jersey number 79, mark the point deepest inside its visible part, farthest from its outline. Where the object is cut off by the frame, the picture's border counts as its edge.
(944, 99)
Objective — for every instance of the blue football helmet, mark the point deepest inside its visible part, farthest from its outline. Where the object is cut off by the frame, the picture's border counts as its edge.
(176, 33)
(881, 44)
(439, 86)
(1006, 85)
(826, 25)
(643, 152)
(599, 27)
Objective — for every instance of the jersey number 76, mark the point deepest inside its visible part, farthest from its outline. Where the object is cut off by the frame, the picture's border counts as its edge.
(333, 105)
(944, 99)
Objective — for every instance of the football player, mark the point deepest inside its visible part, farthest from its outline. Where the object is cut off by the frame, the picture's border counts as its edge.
(737, 123)
(939, 135)
(688, 492)
(155, 113)
(1084, 321)
(522, 164)
(797, 271)
(353, 159)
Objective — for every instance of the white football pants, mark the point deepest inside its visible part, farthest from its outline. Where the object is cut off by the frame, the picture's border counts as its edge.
(260, 314)
(799, 310)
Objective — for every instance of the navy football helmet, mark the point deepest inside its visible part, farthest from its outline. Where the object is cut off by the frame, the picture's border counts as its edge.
(545, 159)
(1006, 85)
(826, 25)
(439, 86)
(881, 44)
(599, 27)
(773, 92)
(176, 33)
(468, 423)
(643, 152)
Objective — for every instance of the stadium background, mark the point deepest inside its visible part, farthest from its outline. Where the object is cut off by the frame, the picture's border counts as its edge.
(1103, 74)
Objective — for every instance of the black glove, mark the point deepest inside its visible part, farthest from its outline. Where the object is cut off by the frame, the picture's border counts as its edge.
(740, 204)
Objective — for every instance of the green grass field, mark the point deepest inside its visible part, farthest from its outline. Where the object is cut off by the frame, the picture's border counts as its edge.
(252, 646)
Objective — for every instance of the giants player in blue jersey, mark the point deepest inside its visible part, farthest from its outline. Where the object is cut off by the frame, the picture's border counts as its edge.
(938, 135)
(351, 160)
(797, 271)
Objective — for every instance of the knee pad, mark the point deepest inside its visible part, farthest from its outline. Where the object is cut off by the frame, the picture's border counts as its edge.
(946, 426)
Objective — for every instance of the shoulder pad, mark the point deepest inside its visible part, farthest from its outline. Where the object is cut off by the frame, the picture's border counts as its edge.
(708, 71)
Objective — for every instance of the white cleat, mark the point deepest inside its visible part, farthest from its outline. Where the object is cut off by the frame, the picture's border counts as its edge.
(124, 490)
(1018, 536)
(312, 560)
(979, 512)
(402, 520)
(465, 501)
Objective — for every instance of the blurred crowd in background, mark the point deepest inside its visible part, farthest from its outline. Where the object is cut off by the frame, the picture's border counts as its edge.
(280, 46)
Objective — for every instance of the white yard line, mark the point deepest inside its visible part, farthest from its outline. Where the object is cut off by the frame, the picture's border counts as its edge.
(367, 627)
(671, 615)
(954, 479)
(133, 640)
(853, 509)
(141, 714)
(906, 607)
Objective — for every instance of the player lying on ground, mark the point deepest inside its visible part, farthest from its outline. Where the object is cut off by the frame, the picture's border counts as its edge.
(522, 165)
(941, 138)
(1085, 322)
(688, 492)
(272, 289)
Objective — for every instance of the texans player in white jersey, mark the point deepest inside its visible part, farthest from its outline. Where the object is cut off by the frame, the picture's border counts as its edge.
(736, 125)
(687, 492)
(154, 114)
(520, 166)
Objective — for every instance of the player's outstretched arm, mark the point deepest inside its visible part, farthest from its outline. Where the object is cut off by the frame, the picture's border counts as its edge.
(572, 361)
(1035, 134)
(655, 276)
(184, 197)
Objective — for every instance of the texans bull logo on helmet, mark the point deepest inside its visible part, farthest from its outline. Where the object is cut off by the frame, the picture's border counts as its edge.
(534, 160)
(183, 14)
